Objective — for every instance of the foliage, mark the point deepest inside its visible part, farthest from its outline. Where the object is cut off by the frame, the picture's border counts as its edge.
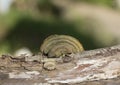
(29, 22)
(100, 2)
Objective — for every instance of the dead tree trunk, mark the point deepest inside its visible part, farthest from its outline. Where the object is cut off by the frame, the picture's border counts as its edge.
(94, 67)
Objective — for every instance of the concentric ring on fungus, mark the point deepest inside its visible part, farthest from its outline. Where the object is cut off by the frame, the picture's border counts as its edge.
(57, 45)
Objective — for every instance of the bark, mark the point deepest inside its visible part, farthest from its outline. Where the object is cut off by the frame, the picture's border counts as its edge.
(94, 67)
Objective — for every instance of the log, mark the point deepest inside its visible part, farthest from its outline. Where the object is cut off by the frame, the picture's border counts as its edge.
(94, 67)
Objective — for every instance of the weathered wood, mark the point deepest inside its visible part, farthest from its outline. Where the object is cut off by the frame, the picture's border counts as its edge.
(84, 69)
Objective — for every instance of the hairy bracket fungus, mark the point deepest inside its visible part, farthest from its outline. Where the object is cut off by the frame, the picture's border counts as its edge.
(56, 46)
(59, 45)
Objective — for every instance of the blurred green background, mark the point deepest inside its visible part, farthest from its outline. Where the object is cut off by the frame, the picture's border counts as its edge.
(28, 22)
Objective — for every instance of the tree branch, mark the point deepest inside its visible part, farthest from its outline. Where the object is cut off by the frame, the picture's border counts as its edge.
(98, 64)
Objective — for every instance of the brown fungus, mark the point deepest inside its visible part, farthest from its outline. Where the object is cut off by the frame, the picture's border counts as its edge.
(59, 45)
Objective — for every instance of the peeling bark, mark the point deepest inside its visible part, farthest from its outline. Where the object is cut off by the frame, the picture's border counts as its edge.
(84, 69)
